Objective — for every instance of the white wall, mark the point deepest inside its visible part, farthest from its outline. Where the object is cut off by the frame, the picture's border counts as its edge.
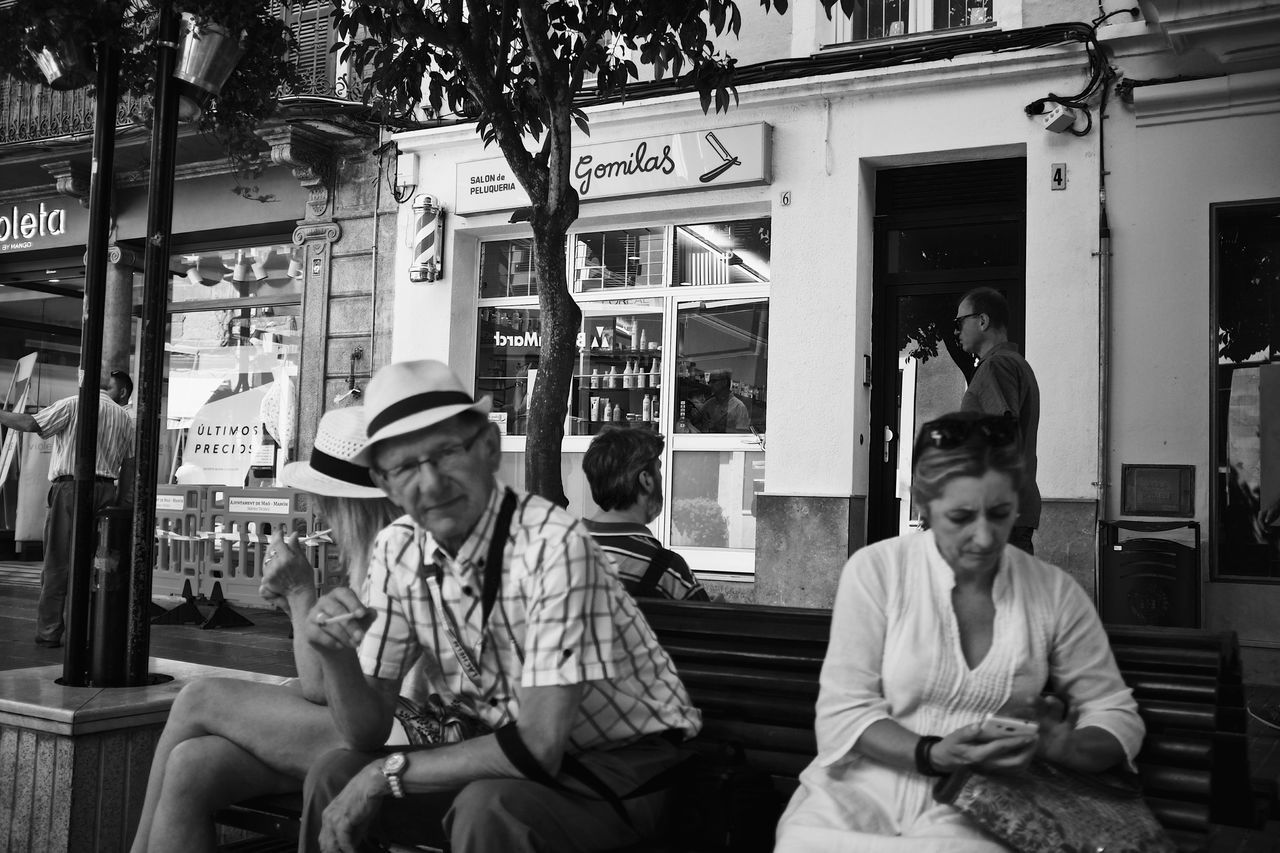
(1169, 163)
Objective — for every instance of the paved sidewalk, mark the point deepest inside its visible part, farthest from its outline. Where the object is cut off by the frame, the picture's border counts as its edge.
(265, 647)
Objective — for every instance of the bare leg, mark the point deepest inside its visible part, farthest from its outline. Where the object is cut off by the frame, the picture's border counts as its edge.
(203, 775)
(272, 726)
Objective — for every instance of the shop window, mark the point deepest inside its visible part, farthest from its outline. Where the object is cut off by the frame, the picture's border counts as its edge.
(619, 375)
(616, 259)
(507, 363)
(722, 253)
(722, 360)
(1246, 496)
(713, 498)
(232, 354)
(639, 358)
(875, 19)
(506, 269)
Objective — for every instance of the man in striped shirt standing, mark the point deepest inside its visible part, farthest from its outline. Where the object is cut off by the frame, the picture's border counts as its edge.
(115, 444)
(511, 603)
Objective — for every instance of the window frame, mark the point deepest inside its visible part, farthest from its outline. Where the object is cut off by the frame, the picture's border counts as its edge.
(712, 563)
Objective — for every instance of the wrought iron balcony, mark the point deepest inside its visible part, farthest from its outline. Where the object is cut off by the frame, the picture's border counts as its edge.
(35, 113)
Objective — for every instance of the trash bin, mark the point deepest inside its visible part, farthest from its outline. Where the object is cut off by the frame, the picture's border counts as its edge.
(1148, 580)
(109, 608)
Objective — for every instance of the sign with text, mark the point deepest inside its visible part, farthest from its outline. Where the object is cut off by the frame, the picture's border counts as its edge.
(672, 162)
(37, 225)
(265, 506)
(222, 437)
(170, 503)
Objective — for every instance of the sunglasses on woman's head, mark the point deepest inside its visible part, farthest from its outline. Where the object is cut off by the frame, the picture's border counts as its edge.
(948, 433)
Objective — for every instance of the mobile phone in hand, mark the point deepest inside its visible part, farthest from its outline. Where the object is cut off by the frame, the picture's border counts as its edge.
(996, 726)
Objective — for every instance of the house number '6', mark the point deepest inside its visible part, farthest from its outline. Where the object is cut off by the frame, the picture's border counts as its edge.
(786, 199)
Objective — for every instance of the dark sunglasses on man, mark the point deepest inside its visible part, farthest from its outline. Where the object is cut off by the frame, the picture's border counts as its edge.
(950, 432)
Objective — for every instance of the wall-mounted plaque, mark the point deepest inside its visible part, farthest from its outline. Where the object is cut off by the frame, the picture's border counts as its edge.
(1167, 490)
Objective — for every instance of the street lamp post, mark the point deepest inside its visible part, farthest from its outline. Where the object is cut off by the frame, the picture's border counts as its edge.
(84, 525)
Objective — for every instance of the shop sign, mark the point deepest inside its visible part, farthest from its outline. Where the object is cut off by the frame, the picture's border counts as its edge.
(672, 162)
(170, 503)
(222, 437)
(263, 506)
(25, 227)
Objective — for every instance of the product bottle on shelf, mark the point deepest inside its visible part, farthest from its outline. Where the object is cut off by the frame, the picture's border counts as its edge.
(644, 339)
(595, 377)
(628, 375)
(595, 408)
(655, 374)
(646, 409)
(613, 377)
(655, 411)
(682, 425)
(618, 414)
(608, 411)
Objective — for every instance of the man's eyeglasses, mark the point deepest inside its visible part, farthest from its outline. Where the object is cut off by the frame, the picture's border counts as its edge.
(950, 433)
(438, 460)
(959, 321)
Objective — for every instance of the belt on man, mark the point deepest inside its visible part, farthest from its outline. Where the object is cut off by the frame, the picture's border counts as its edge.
(67, 478)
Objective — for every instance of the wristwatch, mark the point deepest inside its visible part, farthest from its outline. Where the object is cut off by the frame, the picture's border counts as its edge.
(393, 767)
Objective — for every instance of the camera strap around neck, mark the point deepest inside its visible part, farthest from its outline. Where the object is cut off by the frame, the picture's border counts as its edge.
(492, 585)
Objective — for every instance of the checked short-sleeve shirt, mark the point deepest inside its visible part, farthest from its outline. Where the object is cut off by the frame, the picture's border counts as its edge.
(560, 618)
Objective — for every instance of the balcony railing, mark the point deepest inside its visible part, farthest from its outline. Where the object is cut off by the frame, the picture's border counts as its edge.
(35, 113)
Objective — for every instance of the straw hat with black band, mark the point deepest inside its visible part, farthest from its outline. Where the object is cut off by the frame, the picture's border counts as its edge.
(408, 396)
(330, 471)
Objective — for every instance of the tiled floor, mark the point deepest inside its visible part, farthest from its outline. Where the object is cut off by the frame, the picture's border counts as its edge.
(265, 647)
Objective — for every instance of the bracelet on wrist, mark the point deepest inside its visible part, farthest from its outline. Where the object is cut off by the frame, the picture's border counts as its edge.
(924, 763)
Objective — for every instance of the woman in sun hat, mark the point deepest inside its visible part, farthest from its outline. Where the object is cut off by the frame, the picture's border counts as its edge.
(227, 739)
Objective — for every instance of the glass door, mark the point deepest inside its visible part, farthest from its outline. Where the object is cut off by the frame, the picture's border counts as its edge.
(922, 373)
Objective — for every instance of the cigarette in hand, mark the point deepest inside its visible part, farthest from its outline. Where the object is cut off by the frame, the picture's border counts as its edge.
(324, 619)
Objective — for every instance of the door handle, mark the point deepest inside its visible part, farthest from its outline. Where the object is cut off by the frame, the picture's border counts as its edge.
(888, 440)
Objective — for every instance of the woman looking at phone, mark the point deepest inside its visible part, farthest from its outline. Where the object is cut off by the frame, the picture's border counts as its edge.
(934, 632)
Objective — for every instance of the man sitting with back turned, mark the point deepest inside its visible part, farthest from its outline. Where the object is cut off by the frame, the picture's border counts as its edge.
(513, 604)
(624, 469)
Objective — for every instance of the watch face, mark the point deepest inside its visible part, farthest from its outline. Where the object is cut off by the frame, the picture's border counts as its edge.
(395, 763)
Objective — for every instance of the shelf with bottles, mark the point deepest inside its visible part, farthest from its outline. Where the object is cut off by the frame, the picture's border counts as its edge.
(637, 407)
(622, 374)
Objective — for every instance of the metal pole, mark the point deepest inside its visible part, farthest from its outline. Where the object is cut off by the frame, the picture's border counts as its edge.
(164, 138)
(84, 525)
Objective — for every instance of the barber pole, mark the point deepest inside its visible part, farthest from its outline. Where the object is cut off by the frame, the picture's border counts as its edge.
(427, 220)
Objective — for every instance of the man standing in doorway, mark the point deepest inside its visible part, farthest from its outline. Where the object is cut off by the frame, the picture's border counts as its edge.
(1003, 384)
(115, 443)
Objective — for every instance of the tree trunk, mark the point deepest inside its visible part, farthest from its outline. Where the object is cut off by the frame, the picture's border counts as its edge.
(561, 320)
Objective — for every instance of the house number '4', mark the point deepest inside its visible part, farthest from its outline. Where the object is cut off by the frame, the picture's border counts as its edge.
(1058, 176)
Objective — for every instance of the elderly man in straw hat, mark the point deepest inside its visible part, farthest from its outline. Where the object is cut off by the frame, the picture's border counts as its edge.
(513, 603)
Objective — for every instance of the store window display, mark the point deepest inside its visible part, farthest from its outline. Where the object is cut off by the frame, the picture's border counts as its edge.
(682, 351)
(232, 355)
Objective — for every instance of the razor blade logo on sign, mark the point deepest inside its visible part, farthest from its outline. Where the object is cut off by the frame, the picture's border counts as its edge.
(728, 160)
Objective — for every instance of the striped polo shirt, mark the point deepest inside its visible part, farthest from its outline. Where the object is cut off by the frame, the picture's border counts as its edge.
(632, 548)
(115, 436)
(561, 618)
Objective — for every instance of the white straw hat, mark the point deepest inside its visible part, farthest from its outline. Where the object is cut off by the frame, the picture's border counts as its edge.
(330, 471)
(406, 396)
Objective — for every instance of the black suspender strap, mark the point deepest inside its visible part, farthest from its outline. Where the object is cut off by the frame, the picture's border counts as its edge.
(493, 562)
(657, 568)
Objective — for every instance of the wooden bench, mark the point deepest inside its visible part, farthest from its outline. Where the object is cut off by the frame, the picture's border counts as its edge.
(753, 671)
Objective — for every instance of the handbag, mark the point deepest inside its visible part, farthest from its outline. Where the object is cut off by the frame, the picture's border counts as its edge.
(1050, 809)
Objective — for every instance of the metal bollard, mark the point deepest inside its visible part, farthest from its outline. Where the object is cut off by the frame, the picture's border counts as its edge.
(109, 616)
